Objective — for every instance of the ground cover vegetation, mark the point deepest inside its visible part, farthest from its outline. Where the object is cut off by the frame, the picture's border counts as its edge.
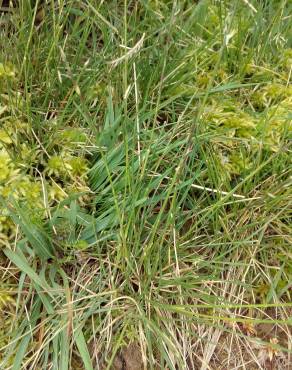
(145, 184)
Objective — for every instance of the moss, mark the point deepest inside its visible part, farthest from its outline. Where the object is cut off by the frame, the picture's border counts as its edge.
(24, 173)
(79, 166)
(7, 71)
(58, 166)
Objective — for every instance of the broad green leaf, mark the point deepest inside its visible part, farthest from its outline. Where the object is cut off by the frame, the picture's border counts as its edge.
(83, 350)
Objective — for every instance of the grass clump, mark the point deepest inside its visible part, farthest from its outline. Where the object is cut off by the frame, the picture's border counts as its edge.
(145, 182)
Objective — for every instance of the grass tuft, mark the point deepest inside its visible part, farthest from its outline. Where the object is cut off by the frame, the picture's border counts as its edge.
(145, 184)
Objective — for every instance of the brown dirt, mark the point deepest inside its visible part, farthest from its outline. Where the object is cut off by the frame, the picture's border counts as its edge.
(129, 359)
